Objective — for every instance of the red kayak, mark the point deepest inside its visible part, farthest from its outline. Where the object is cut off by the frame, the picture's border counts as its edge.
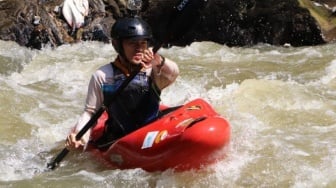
(186, 138)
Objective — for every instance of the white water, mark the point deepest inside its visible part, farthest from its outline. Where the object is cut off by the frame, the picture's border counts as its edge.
(280, 103)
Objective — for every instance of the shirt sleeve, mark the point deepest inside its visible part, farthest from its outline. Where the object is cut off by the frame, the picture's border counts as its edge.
(166, 74)
(94, 97)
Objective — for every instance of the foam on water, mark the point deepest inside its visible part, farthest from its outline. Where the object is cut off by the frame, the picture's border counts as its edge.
(280, 103)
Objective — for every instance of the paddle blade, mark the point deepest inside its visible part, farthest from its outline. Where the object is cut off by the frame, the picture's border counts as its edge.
(52, 165)
(183, 16)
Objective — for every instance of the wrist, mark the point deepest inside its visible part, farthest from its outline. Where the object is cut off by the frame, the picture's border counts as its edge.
(162, 62)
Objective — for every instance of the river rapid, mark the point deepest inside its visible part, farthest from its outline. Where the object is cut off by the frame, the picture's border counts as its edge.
(280, 102)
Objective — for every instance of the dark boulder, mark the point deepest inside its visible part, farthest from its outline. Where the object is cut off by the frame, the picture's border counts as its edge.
(249, 22)
(35, 23)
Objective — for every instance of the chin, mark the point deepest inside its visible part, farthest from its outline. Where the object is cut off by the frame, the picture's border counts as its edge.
(136, 62)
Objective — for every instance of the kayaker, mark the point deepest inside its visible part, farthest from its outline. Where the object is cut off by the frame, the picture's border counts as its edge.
(138, 103)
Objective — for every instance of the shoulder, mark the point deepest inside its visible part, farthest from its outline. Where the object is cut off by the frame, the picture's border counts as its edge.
(104, 70)
(104, 73)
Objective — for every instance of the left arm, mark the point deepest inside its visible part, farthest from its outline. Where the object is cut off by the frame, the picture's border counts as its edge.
(165, 71)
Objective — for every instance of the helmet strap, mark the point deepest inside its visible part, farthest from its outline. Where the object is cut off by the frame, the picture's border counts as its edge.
(118, 47)
(121, 50)
(122, 57)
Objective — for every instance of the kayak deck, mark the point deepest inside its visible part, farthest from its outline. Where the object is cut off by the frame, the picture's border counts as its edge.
(183, 139)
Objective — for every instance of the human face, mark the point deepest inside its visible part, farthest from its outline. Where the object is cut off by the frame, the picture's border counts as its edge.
(134, 49)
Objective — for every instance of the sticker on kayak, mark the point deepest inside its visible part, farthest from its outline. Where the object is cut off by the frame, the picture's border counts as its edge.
(149, 139)
(185, 123)
(194, 107)
(161, 136)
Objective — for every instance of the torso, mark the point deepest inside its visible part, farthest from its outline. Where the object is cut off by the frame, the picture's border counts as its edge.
(135, 106)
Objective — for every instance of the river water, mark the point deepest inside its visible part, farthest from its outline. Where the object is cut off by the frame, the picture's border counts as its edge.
(280, 102)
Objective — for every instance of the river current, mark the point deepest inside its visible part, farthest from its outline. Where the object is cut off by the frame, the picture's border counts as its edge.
(280, 102)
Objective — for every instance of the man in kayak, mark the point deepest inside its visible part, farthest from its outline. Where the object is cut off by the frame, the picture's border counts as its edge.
(138, 103)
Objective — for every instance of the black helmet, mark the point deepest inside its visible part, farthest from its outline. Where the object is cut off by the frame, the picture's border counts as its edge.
(135, 27)
(126, 28)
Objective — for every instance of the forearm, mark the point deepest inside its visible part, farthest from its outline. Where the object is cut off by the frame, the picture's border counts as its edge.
(94, 101)
(82, 120)
(71, 142)
(165, 72)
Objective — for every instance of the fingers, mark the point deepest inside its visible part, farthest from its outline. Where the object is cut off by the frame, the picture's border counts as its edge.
(71, 142)
(148, 54)
(149, 59)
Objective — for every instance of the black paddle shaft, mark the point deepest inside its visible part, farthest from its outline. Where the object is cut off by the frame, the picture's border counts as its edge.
(180, 21)
(91, 122)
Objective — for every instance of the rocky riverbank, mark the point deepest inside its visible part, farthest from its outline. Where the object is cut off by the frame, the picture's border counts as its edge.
(35, 23)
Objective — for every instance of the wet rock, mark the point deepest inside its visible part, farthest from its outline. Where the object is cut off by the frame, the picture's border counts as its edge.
(324, 12)
(230, 22)
(249, 22)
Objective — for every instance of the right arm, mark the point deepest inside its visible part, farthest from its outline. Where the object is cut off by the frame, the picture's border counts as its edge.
(94, 101)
